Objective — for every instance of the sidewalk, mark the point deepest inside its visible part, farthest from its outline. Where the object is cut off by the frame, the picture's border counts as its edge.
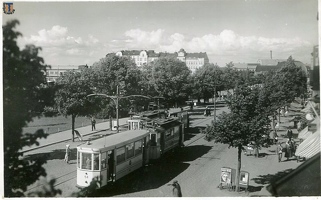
(64, 136)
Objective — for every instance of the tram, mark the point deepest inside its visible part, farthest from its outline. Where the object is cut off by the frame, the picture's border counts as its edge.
(165, 133)
(112, 157)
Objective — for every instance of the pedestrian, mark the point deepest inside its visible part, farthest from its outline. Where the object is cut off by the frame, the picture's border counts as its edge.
(78, 135)
(67, 153)
(93, 124)
(289, 133)
(279, 151)
(177, 192)
(288, 150)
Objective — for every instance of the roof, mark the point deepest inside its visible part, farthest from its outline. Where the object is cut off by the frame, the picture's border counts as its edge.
(130, 52)
(114, 141)
(270, 61)
(65, 66)
(265, 68)
(196, 55)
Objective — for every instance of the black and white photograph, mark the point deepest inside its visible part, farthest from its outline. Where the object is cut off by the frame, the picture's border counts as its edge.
(160, 98)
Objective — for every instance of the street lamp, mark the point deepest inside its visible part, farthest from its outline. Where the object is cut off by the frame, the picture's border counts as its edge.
(116, 101)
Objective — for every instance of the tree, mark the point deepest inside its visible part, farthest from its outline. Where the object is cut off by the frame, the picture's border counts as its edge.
(170, 79)
(23, 80)
(247, 122)
(206, 78)
(113, 71)
(71, 96)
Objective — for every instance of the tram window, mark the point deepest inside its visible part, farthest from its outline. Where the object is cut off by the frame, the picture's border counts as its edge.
(153, 140)
(138, 147)
(176, 130)
(104, 160)
(130, 150)
(120, 155)
(86, 161)
(169, 133)
(96, 161)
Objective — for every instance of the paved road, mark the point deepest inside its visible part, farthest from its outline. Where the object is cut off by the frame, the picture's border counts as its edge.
(197, 168)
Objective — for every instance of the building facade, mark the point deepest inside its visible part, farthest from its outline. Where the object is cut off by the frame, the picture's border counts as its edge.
(193, 60)
(55, 71)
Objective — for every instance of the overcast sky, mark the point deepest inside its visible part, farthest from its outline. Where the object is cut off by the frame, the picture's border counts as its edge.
(231, 30)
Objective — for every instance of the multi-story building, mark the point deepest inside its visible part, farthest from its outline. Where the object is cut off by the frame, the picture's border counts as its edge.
(193, 60)
(55, 71)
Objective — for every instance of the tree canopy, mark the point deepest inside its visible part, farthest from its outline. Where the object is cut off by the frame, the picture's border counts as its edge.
(23, 98)
(170, 79)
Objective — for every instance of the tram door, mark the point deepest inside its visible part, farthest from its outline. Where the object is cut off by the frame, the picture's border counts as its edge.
(111, 166)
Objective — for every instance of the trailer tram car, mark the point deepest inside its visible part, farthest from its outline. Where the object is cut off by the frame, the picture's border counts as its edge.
(112, 157)
(165, 133)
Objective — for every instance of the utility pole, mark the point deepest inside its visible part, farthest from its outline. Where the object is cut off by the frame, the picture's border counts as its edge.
(214, 103)
(117, 109)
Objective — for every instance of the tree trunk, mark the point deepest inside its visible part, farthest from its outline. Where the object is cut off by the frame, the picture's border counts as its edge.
(239, 153)
(73, 117)
(279, 116)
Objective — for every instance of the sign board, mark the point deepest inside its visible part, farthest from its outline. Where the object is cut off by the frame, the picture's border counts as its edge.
(114, 128)
(244, 179)
(227, 176)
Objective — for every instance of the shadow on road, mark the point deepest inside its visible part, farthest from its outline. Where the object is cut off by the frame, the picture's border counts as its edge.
(156, 174)
(52, 155)
(270, 178)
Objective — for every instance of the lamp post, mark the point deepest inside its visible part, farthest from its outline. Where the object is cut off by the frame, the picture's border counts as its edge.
(116, 101)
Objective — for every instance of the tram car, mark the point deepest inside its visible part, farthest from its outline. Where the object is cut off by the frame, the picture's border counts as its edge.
(182, 116)
(165, 133)
(112, 157)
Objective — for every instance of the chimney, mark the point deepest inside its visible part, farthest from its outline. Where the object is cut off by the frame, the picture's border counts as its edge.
(271, 54)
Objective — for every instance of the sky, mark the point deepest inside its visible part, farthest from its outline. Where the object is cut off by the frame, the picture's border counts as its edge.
(77, 33)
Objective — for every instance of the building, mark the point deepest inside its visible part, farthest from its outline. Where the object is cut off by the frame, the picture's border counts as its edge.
(55, 71)
(245, 66)
(142, 57)
(270, 62)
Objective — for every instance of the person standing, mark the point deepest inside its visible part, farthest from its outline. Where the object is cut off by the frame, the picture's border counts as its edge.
(93, 124)
(279, 151)
(177, 192)
(288, 149)
(67, 153)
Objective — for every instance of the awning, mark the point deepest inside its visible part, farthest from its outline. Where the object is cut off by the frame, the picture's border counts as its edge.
(310, 146)
(304, 133)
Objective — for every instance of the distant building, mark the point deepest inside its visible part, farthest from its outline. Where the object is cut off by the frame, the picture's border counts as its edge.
(58, 70)
(245, 66)
(269, 62)
(142, 57)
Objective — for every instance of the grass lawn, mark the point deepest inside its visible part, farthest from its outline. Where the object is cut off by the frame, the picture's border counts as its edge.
(56, 124)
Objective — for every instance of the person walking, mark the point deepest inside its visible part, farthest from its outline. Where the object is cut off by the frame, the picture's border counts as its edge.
(79, 135)
(177, 192)
(67, 153)
(93, 124)
(279, 151)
